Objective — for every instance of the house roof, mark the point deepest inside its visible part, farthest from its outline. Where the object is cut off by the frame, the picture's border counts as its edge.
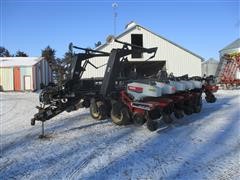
(136, 26)
(19, 61)
(235, 44)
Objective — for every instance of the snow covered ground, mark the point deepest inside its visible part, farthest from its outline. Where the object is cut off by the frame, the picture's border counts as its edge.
(200, 146)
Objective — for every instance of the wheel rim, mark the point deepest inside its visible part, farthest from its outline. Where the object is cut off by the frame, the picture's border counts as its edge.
(119, 116)
(95, 110)
(95, 113)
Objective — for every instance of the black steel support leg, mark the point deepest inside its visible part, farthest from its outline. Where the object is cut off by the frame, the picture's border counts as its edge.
(42, 135)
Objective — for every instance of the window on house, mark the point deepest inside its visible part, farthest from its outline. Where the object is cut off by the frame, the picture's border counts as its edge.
(137, 39)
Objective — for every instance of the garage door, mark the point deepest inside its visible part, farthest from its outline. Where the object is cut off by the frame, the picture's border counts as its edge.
(7, 79)
(17, 82)
(27, 82)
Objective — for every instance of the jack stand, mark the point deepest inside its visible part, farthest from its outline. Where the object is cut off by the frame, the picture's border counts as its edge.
(42, 135)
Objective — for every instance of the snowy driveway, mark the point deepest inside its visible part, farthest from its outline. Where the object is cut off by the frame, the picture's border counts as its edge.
(200, 146)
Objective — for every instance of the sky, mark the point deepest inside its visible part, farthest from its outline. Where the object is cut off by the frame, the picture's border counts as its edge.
(204, 27)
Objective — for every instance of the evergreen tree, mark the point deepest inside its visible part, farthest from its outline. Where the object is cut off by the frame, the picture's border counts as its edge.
(4, 52)
(49, 54)
(21, 54)
(98, 44)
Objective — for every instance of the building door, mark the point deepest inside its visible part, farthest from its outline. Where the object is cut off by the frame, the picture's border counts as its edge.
(137, 39)
(142, 68)
(27, 83)
(17, 80)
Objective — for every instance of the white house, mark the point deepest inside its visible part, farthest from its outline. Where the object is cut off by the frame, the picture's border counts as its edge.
(174, 57)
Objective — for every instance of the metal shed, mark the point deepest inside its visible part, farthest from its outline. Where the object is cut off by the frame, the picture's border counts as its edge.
(175, 58)
(23, 73)
(209, 67)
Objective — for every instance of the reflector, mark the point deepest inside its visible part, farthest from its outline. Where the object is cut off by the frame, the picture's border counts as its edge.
(135, 89)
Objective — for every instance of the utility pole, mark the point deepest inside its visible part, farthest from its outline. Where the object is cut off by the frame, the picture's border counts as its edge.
(114, 6)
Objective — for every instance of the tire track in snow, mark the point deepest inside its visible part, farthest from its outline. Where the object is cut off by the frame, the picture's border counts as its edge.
(11, 117)
(78, 167)
(98, 151)
(7, 112)
(5, 164)
(81, 165)
(19, 142)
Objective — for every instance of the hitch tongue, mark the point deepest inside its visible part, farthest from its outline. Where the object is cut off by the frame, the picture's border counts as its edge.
(39, 108)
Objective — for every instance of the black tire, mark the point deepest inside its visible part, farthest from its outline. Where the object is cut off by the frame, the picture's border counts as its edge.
(188, 110)
(152, 125)
(139, 120)
(155, 114)
(120, 114)
(210, 99)
(167, 119)
(198, 108)
(97, 110)
(86, 103)
(178, 114)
